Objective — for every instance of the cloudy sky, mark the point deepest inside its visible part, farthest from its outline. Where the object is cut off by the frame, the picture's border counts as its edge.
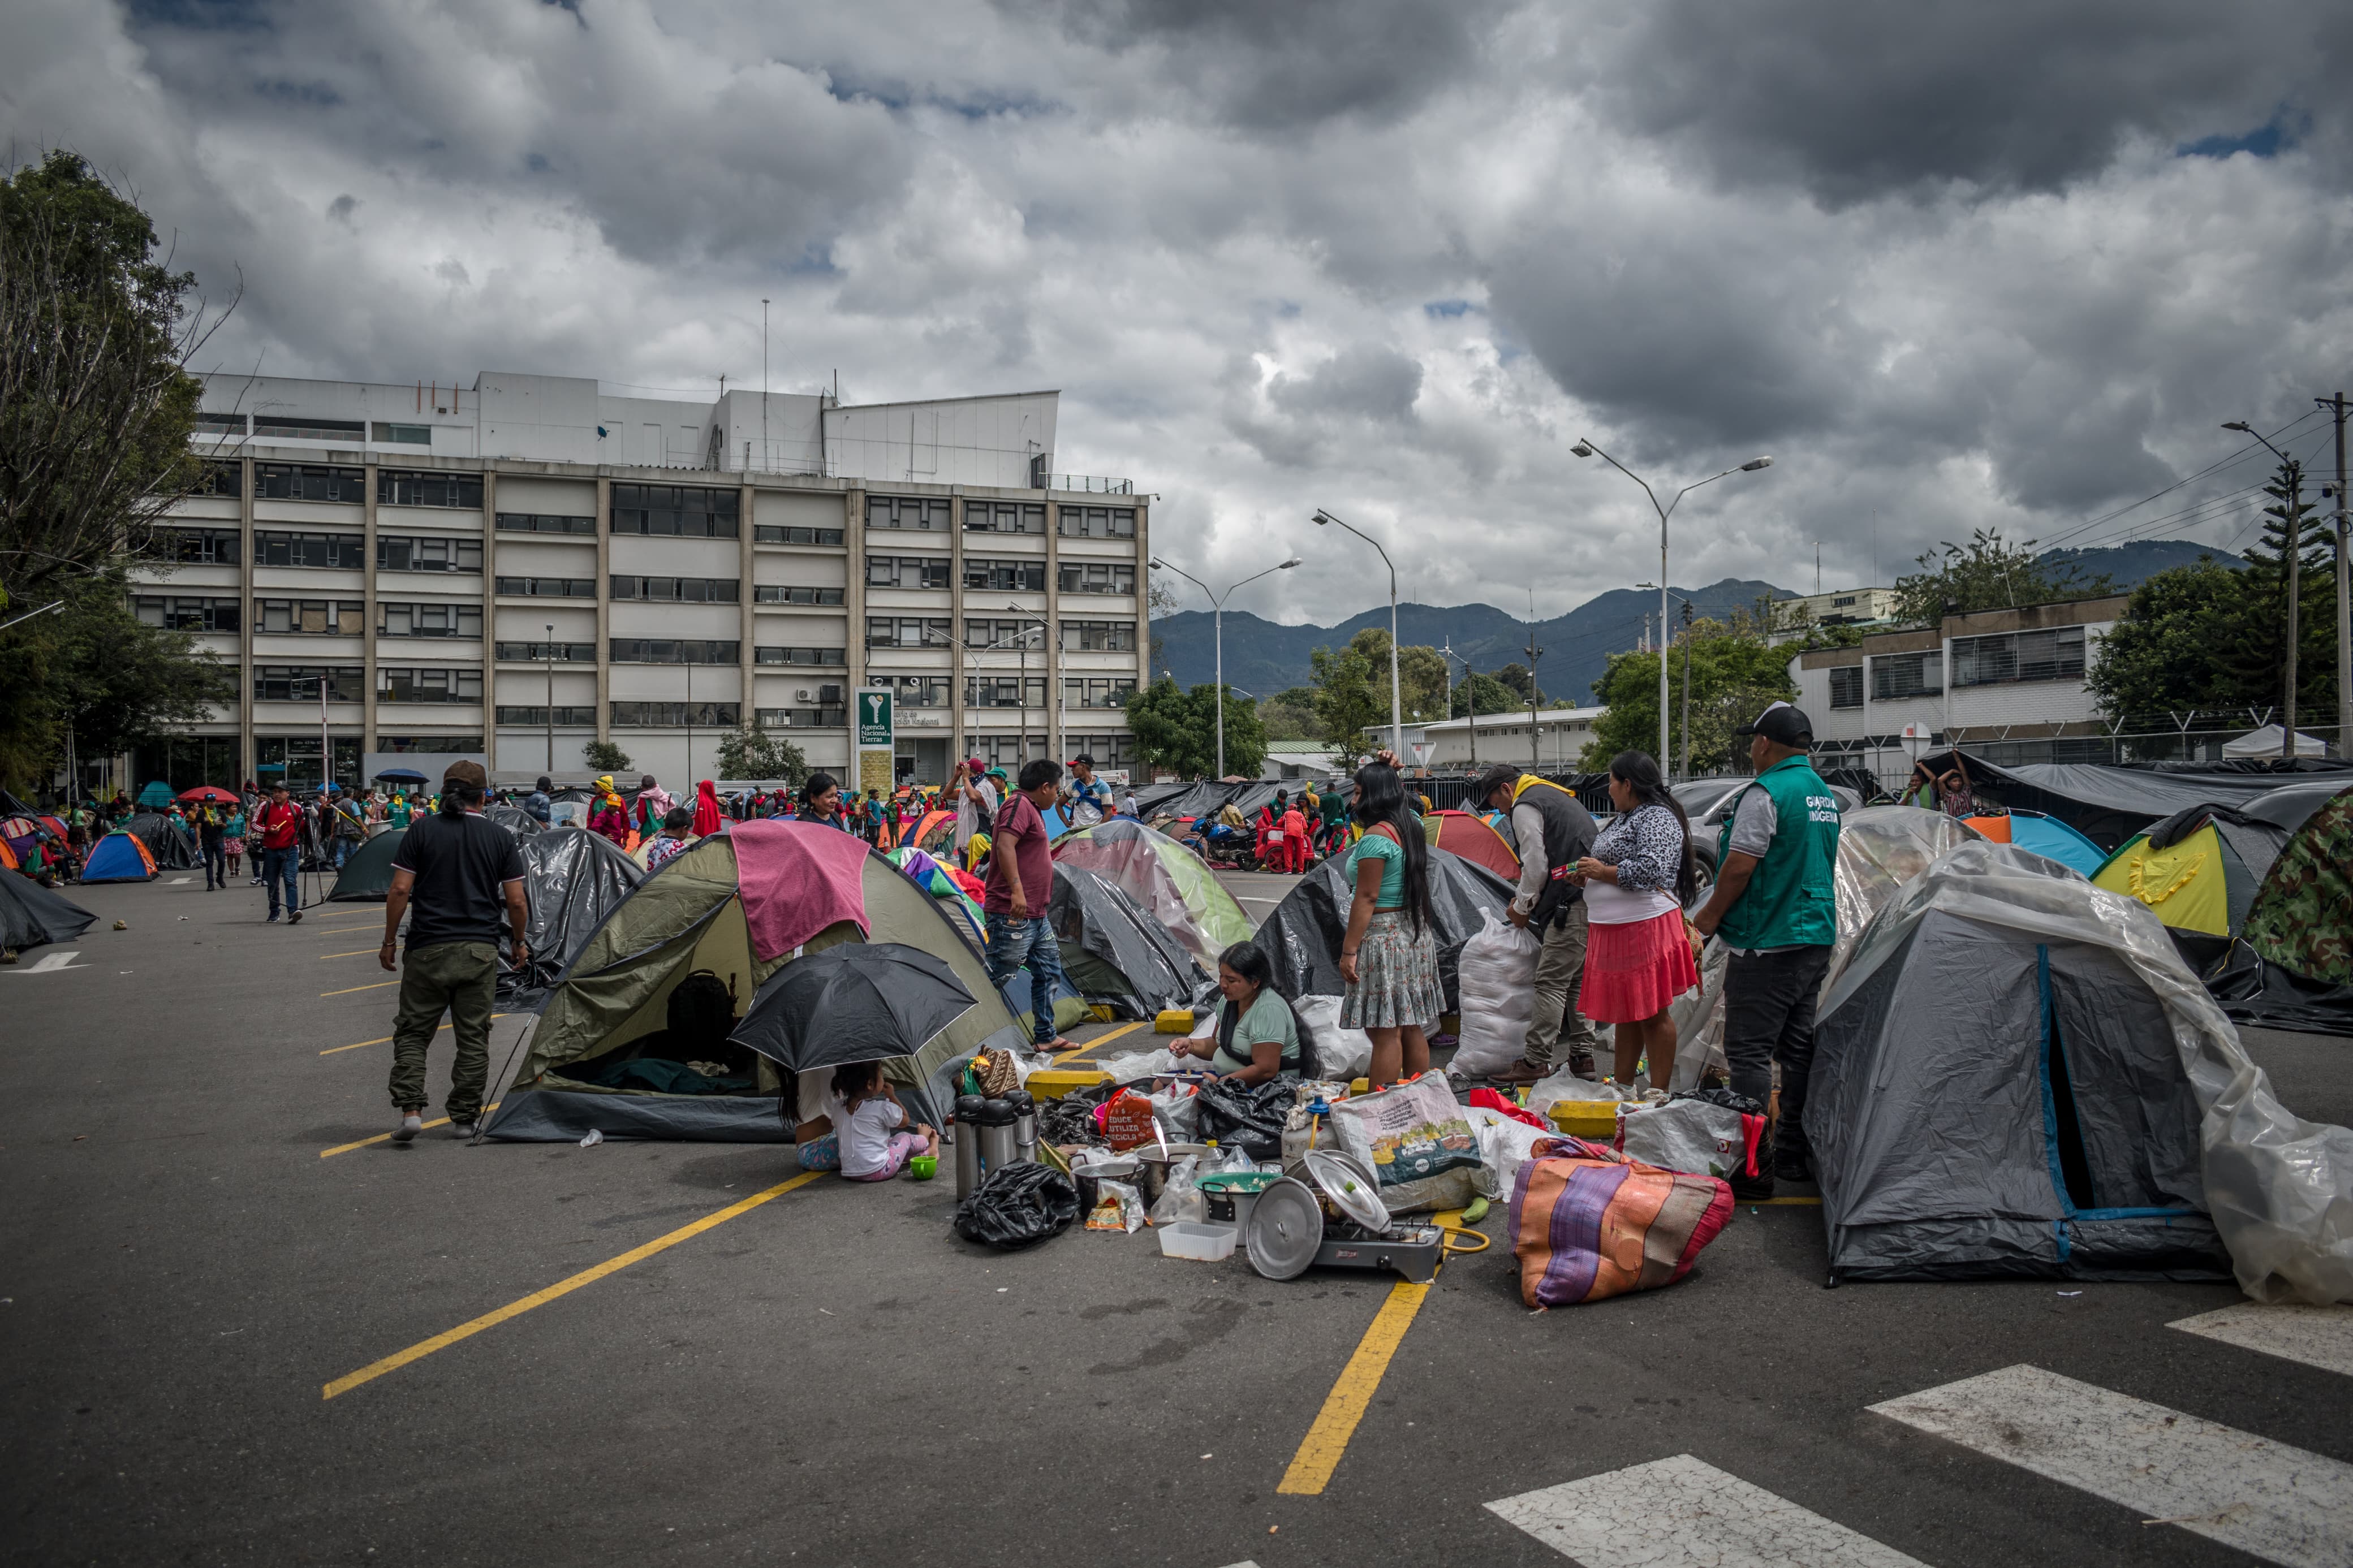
(2003, 264)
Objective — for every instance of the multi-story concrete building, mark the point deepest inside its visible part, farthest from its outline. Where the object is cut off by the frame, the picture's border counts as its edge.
(513, 569)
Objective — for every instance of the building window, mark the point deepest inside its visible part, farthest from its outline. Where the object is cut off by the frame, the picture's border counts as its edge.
(982, 633)
(907, 571)
(1004, 517)
(545, 652)
(1097, 692)
(1843, 601)
(1098, 637)
(545, 523)
(1098, 522)
(1005, 691)
(907, 513)
(1906, 675)
(802, 718)
(303, 481)
(792, 594)
(396, 488)
(675, 650)
(915, 690)
(1108, 750)
(302, 429)
(834, 656)
(199, 546)
(430, 745)
(300, 682)
(779, 534)
(453, 684)
(549, 587)
(219, 480)
(386, 435)
(2053, 655)
(580, 718)
(678, 590)
(428, 620)
(679, 715)
(979, 571)
(676, 512)
(346, 551)
(221, 424)
(1846, 686)
(1098, 577)
(181, 613)
(1009, 751)
(906, 631)
(428, 552)
(310, 617)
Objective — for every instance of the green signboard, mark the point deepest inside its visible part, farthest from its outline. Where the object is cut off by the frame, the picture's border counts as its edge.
(874, 718)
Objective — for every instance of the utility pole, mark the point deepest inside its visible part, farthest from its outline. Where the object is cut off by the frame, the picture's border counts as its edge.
(1469, 693)
(2291, 538)
(1687, 625)
(1536, 740)
(2344, 593)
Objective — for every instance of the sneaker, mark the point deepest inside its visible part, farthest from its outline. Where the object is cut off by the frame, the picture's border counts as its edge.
(295, 917)
(461, 1129)
(272, 919)
(411, 1124)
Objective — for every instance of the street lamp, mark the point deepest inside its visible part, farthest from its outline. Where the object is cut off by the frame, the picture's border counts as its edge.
(1663, 654)
(1397, 709)
(547, 649)
(1585, 448)
(2293, 566)
(956, 675)
(1218, 605)
(1045, 652)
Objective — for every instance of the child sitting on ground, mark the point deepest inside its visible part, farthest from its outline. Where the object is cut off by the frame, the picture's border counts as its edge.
(865, 1117)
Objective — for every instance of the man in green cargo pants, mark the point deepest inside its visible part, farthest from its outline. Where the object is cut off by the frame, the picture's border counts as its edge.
(455, 874)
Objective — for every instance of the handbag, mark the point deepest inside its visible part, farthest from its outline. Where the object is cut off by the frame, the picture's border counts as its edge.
(996, 1074)
(1587, 1223)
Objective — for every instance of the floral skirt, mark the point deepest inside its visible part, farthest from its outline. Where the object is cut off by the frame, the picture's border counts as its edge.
(1632, 971)
(1396, 978)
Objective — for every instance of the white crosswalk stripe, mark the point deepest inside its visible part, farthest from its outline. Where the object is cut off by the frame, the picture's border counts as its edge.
(2269, 1499)
(2317, 1336)
(1684, 1514)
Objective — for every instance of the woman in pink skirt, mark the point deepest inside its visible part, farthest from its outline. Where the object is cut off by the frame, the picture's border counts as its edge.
(1636, 880)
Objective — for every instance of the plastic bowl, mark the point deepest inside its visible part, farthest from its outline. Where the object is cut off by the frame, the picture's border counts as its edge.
(1202, 1243)
(925, 1166)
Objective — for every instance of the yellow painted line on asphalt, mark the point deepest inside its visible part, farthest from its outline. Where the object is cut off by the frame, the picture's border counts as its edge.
(1100, 1040)
(1782, 1202)
(424, 1348)
(386, 1137)
(354, 954)
(385, 1040)
(349, 989)
(1320, 1451)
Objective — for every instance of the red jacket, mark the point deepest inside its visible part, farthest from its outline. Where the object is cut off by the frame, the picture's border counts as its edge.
(278, 822)
(610, 822)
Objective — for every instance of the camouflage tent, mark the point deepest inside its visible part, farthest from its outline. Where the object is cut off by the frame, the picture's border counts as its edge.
(2291, 966)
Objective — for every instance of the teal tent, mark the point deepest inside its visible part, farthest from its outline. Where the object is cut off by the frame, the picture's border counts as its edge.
(2054, 840)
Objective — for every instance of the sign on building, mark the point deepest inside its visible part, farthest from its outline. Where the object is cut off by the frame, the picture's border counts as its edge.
(877, 738)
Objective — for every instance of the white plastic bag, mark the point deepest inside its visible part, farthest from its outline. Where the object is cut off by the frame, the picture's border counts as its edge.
(1181, 1199)
(1685, 1135)
(1497, 981)
(1503, 1146)
(1177, 1108)
(1154, 1063)
(1566, 1085)
(1340, 1054)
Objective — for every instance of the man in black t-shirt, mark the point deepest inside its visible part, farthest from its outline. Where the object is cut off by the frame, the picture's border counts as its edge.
(455, 873)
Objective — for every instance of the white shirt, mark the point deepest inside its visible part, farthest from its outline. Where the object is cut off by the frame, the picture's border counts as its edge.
(865, 1134)
(968, 815)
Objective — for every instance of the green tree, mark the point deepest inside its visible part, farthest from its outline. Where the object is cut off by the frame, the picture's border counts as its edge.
(606, 757)
(1987, 573)
(751, 753)
(1481, 693)
(91, 675)
(1735, 673)
(1290, 715)
(1347, 707)
(1521, 683)
(1175, 730)
(1421, 675)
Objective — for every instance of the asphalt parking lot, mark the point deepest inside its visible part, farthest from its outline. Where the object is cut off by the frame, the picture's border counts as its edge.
(638, 1352)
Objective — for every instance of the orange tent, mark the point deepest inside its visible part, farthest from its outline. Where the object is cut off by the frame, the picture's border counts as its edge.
(1460, 833)
(935, 833)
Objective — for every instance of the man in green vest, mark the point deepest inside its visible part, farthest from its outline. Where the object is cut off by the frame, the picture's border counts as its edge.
(1776, 908)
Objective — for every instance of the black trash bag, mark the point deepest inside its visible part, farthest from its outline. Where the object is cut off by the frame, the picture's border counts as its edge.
(1725, 1097)
(1071, 1118)
(1018, 1206)
(1249, 1118)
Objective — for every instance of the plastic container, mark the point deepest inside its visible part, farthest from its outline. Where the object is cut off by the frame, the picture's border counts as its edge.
(1231, 1193)
(1200, 1243)
(925, 1166)
(1173, 1021)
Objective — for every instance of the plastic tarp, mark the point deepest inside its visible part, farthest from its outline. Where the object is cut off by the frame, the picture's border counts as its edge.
(571, 881)
(166, 840)
(2109, 805)
(1116, 953)
(31, 915)
(1881, 847)
(368, 873)
(514, 819)
(2288, 806)
(1166, 879)
(1942, 1138)
(1302, 937)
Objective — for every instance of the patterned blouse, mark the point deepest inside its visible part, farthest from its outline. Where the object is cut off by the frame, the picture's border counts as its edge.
(1646, 845)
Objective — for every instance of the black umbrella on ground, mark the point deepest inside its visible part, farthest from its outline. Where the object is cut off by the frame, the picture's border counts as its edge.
(859, 1002)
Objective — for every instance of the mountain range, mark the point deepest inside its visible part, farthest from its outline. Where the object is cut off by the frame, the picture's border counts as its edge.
(1263, 656)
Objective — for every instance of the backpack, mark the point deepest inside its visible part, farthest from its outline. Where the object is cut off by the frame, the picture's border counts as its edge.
(702, 1016)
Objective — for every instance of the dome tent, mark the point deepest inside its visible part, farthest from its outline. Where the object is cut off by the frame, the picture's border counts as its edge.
(2018, 1076)
(720, 905)
(31, 915)
(1302, 937)
(367, 875)
(118, 857)
(2291, 965)
(2197, 870)
(1116, 953)
(167, 841)
(1166, 879)
(1469, 835)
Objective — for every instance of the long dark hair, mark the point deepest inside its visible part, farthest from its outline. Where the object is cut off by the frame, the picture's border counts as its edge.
(1249, 961)
(1381, 798)
(1638, 772)
(817, 785)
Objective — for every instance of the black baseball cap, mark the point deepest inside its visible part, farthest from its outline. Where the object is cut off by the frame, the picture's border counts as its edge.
(1783, 725)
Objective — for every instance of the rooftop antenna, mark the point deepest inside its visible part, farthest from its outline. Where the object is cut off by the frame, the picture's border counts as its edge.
(1817, 568)
(764, 381)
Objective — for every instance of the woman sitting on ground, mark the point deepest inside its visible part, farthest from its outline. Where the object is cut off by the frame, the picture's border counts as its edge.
(1259, 1036)
(1389, 956)
(1637, 957)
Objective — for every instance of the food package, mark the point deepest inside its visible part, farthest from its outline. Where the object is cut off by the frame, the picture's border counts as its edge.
(1128, 1121)
(1417, 1142)
(1118, 1206)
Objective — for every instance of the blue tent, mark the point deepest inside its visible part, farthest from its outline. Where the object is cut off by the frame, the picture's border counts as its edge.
(2054, 840)
(119, 858)
(157, 793)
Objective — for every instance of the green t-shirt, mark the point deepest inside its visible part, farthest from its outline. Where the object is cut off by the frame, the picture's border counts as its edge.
(400, 811)
(1391, 855)
(1269, 1019)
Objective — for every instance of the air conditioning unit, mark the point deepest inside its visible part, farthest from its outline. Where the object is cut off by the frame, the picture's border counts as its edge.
(829, 695)
(802, 695)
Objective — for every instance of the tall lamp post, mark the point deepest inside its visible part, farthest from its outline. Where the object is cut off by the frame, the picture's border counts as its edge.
(1585, 448)
(2292, 566)
(547, 649)
(1397, 709)
(1218, 605)
(1045, 652)
(1686, 604)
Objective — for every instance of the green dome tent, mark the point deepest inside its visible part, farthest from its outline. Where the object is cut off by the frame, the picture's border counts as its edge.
(367, 875)
(2291, 965)
(1167, 880)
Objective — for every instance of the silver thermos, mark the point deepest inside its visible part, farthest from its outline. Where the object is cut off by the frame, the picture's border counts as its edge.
(967, 1144)
(1025, 1126)
(995, 1137)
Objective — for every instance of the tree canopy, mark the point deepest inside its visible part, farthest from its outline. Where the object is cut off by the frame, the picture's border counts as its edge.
(751, 753)
(1175, 730)
(1988, 572)
(1735, 673)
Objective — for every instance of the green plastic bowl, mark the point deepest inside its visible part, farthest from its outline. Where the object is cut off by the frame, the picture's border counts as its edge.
(925, 1166)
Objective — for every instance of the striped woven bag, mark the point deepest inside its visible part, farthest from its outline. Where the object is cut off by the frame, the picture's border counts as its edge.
(1586, 1223)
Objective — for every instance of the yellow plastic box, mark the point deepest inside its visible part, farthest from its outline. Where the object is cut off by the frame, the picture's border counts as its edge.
(1053, 1083)
(1596, 1121)
(1175, 1021)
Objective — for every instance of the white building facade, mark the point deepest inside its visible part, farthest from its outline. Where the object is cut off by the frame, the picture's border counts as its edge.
(513, 569)
(1552, 742)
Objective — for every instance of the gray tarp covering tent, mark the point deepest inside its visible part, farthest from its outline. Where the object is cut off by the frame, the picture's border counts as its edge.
(2108, 804)
(367, 875)
(572, 880)
(166, 840)
(1166, 879)
(514, 819)
(2017, 1075)
(31, 915)
(1117, 954)
(1302, 937)
(2288, 806)
(610, 1008)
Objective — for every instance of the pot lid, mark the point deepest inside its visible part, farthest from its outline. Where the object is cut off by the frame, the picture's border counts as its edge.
(1348, 1184)
(1286, 1230)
